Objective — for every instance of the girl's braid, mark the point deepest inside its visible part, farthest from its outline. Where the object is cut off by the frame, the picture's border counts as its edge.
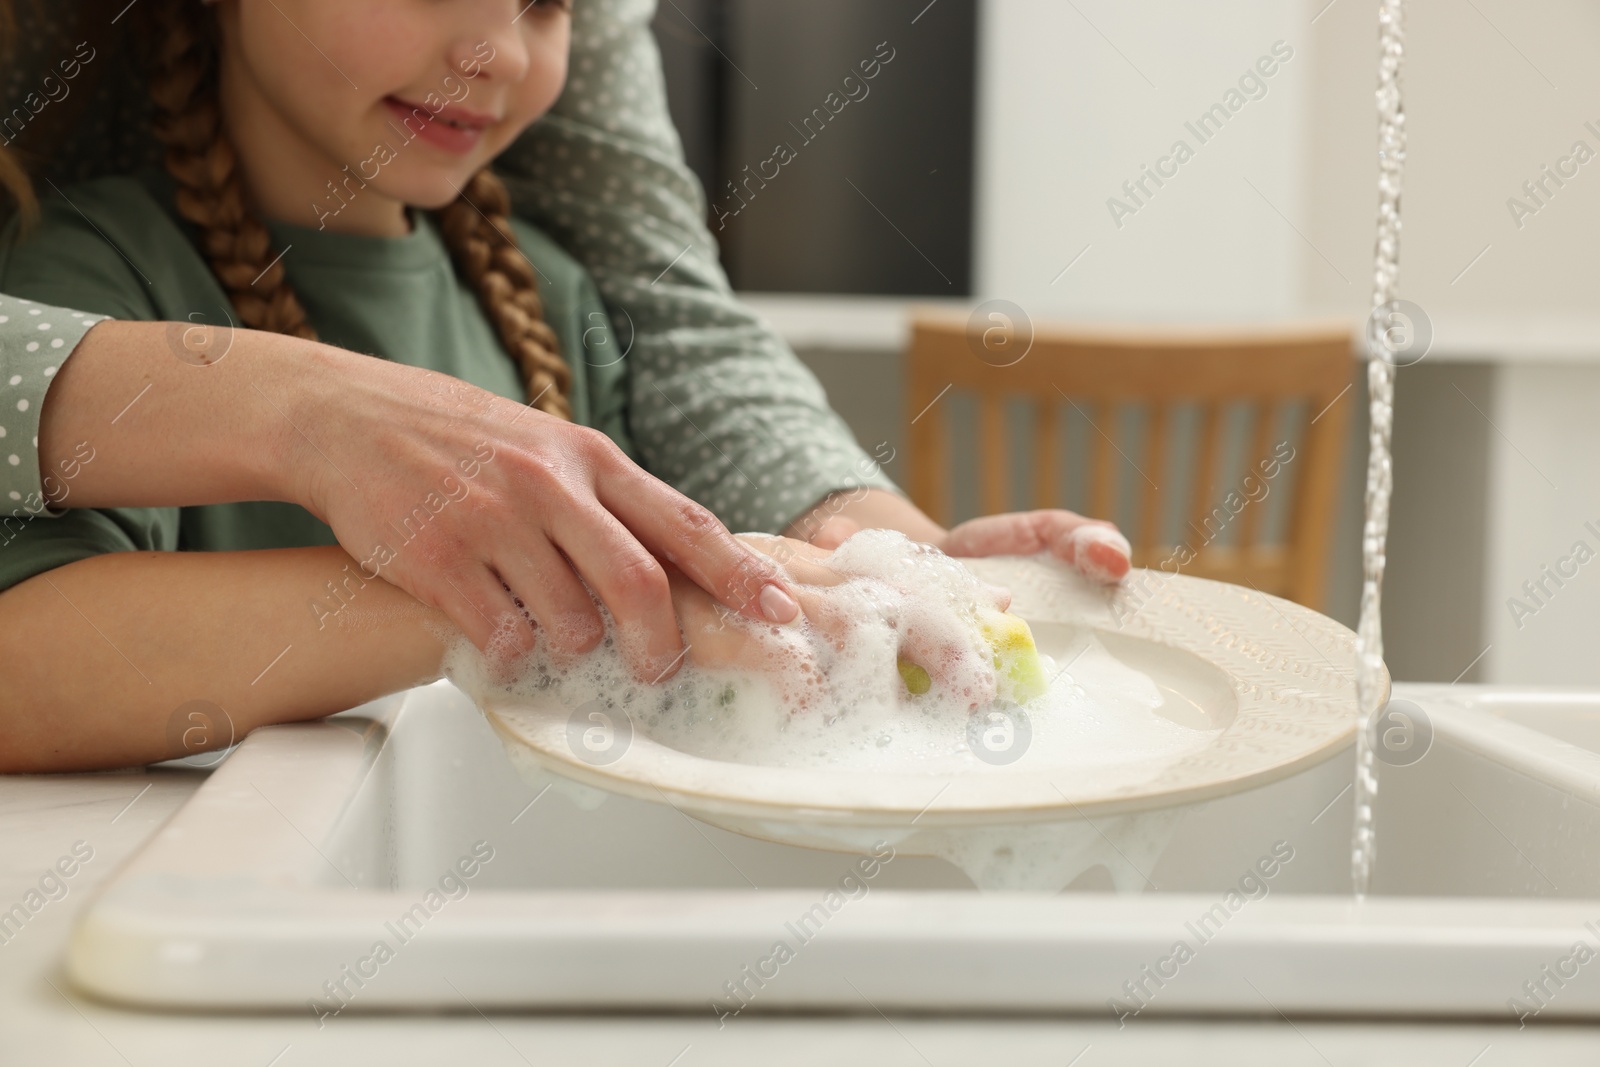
(238, 246)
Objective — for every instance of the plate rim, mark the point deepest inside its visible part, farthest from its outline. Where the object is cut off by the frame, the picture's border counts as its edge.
(1171, 593)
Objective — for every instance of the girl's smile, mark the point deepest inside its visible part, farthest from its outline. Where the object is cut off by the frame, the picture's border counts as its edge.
(455, 129)
(437, 87)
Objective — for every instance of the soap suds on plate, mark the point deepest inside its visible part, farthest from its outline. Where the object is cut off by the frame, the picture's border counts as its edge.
(827, 692)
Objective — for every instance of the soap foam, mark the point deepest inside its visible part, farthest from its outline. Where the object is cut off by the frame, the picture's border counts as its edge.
(825, 691)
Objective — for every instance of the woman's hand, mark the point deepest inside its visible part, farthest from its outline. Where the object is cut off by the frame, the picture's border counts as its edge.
(1093, 546)
(712, 642)
(499, 515)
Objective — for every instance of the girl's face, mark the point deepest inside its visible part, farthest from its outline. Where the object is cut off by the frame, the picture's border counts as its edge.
(413, 96)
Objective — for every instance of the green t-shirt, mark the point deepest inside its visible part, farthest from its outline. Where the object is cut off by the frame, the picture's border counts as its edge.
(115, 247)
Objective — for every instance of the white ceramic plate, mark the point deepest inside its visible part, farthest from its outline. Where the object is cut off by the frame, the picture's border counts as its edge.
(1273, 681)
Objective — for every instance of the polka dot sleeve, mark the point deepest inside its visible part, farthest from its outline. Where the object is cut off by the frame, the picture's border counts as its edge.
(34, 340)
(719, 407)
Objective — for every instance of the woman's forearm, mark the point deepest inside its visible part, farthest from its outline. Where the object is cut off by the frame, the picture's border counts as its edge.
(468, 500)
(100, 659)
(171, 414)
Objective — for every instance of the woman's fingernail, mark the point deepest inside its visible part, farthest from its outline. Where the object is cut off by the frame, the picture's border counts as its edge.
(777, 605)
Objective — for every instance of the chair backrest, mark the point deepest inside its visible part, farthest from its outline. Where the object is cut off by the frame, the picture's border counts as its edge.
(1284, 375)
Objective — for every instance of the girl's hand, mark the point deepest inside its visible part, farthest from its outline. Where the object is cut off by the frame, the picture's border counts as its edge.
(498, 515)
(714, 643)
(1093, 546)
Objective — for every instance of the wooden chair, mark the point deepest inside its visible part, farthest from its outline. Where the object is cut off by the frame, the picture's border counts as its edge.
(1100, 372)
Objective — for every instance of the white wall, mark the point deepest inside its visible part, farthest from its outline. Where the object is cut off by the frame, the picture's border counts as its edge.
(1072, 105)
(1545, 504)
(1494, 89)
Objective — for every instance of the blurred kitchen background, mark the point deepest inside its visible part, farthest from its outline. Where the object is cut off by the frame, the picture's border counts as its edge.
(979, 161)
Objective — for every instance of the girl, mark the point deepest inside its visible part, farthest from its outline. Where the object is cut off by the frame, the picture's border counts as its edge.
(306, 144)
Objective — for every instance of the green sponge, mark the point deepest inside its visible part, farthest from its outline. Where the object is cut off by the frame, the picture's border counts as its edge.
(916, 678)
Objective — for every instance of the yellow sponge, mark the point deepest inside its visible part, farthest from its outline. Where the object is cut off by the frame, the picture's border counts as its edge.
(1016, 659)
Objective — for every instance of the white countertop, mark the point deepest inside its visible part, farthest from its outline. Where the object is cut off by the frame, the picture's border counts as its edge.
(43, 1021)
(879, 324)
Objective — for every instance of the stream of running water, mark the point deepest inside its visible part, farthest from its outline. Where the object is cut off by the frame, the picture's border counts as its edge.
(1370, 680)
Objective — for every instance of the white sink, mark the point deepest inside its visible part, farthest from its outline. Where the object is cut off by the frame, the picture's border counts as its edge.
(299, 875)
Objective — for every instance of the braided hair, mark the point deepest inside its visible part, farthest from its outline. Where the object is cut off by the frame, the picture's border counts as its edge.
(239, 248)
